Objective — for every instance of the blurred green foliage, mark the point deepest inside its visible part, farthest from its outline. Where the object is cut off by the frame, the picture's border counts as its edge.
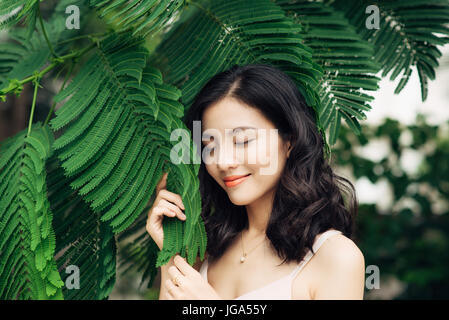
(410, 242)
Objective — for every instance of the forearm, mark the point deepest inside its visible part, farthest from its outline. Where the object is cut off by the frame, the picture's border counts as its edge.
(164, 277)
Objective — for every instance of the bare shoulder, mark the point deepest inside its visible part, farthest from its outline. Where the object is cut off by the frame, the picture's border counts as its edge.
(339, 250)
(341, 266)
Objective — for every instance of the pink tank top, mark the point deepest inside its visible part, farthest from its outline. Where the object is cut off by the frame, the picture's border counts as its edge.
(280, 289)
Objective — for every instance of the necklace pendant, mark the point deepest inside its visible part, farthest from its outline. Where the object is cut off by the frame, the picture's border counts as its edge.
(242, 259)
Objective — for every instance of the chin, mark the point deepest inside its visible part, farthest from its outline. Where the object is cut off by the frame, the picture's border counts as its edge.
(241, 197)
(239, 201)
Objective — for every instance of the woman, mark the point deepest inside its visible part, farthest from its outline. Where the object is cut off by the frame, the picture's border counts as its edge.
(270, 199)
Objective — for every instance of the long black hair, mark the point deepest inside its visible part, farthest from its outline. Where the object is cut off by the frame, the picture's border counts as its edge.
(308, 199)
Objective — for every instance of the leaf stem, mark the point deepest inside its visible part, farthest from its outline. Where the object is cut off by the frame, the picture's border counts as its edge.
(16, 85)
(45, 33)
(36, 85)
(62, 87)
(81, 37)
(55, 61)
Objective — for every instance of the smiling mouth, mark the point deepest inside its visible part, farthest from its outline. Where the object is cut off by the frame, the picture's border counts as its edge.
(233, 183)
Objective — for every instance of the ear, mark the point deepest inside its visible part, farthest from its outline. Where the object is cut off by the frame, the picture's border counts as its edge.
(289, 148)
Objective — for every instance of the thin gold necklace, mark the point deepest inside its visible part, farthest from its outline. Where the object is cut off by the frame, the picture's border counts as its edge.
(243, 257)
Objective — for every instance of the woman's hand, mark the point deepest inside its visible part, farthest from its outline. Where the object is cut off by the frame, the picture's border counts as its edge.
(192, 286)
(166, 203)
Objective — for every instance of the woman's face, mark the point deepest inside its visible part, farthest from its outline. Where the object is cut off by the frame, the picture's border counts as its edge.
(240, 141)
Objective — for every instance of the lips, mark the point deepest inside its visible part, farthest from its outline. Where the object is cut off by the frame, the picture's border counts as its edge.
(231, 178)
(232, 181)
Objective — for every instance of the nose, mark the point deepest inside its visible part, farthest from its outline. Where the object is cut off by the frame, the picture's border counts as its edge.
(227, 158)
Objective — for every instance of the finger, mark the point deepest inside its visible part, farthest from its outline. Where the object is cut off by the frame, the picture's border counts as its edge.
(173, 208)
(169, 289)
(160, 211)
(172, 197)
(183, 266)
(162, 184)
(173, 290)
(174, 272)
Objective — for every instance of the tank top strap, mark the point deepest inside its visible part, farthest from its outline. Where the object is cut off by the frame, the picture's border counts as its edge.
(317, 244)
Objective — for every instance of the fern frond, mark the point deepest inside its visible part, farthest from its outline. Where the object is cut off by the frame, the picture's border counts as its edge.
(259, 32)
(27, 240)
(19, 57)
(143, 16)
(12, 11)
(82, 240)
(345, 58)
(116, 143)
(408, 36)
(139, 251)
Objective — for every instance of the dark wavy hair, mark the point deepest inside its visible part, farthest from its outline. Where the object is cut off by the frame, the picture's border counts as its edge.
(308, 199)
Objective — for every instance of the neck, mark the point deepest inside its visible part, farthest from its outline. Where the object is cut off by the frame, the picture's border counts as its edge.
(259, 212)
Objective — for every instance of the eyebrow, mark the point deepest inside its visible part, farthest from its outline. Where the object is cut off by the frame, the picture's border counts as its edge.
(207, 136)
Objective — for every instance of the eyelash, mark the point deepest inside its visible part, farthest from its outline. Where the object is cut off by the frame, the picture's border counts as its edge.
(237, 143)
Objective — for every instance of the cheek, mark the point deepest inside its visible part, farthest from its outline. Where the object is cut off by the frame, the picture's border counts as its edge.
(267, 152)
(209, 170)
(213, 172)
(271, 157)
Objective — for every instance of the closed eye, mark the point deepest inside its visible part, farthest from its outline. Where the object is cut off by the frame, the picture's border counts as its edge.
(209, 149)
(243, 143)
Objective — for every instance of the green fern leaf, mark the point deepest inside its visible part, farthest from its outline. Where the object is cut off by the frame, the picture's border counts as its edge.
(14, 10)
(27, 244)
(20, 56)
(142, 16)
(82, 240)
(116, 143)
(345, 58)
(407, 36)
